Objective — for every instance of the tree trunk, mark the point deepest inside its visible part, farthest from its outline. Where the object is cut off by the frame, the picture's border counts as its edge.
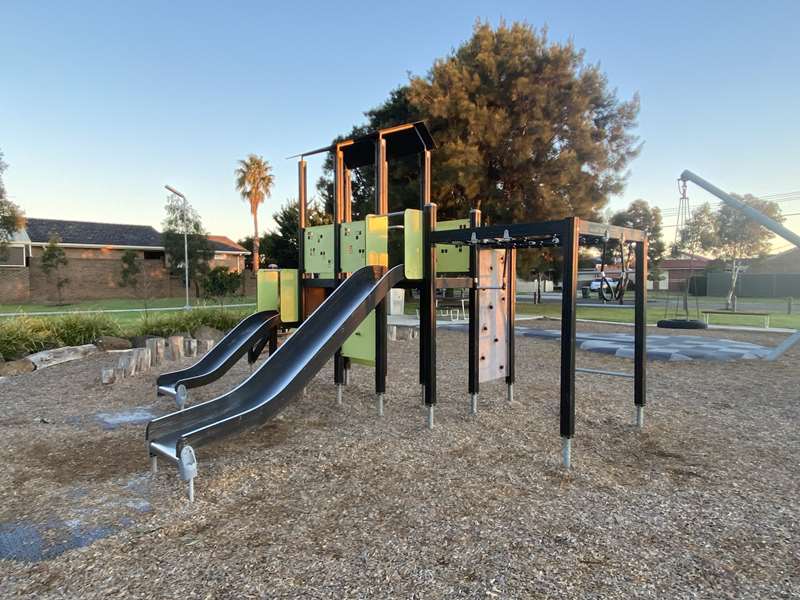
(256, 260)
(729, 302)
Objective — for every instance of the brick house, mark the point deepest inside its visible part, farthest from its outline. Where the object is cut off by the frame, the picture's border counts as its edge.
(679, 269)
(94, 252)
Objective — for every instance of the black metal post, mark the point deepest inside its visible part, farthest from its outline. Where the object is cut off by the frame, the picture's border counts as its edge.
(302, 202)
(640, 333)
(474, 318)
(273, 341)
(511, 304)
(424, 198)
(338, 184)
(428, 308)
(381, 349)
(569, 283)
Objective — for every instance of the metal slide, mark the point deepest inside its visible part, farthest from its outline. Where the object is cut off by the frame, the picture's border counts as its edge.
(250, 335)
(279, 379)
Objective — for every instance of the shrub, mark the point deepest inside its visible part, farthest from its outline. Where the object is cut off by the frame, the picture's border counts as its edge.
(23, 335)
(219, 283)
(173, 323)
(74, 330)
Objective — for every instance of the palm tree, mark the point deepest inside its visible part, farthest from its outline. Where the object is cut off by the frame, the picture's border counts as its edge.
(254, 182)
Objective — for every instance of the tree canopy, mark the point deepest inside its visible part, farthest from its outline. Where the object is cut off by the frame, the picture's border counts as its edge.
(737, 235)
(699, 233)
(52, 260)
(728, 233)
(525, 130)
(11, 216)
(254, 182)
(640, 215)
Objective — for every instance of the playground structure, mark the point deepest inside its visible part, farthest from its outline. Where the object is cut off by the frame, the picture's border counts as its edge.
(337, 296)
(751, 212)
(250, 336)
(683, 217)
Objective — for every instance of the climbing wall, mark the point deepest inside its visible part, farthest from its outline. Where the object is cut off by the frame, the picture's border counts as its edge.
(492, 315)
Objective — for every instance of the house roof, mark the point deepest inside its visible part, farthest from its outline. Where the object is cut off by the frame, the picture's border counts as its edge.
(784, 262)
(223, 243)
(86, 233)
(699, 262)
(93, 234)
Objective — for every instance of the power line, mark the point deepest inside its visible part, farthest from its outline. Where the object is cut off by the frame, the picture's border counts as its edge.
(673, 210)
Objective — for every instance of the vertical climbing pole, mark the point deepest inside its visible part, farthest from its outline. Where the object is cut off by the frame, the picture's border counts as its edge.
(474, 321)
(569, 287)
(511, 305)
(338, 213)
(381, 208)
(640, 333)
(427, 308)
(424, 198)
(347, 217)
(302, 202)
(348, 196)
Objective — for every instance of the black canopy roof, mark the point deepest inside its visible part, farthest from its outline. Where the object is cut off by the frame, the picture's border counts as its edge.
(401, 140)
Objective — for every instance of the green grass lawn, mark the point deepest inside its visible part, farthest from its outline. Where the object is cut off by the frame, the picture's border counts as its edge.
(655, 312)
(124, 318)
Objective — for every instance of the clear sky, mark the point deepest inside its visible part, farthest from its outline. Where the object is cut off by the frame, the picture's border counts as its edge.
(102, 103)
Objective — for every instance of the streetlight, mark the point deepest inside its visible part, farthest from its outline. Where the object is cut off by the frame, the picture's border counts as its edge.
(185, 242)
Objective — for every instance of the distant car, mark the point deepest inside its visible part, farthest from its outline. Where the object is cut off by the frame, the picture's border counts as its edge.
(594, 286)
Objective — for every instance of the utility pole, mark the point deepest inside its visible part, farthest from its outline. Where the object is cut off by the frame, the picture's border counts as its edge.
(185, 242)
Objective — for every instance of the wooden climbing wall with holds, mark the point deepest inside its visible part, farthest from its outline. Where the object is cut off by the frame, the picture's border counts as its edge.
(492, 315)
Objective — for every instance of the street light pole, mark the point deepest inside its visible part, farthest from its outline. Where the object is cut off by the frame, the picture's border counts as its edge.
(185, 243)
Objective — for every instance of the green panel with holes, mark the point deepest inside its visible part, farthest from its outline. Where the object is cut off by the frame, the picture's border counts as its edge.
(377, 240)
(318, 250)
(290, 295)
(412, 243)
(360, 346)
(353, 246)
(450, 258)
(267, 289)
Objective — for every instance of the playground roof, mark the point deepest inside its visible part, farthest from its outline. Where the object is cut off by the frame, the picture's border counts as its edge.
(401, 140)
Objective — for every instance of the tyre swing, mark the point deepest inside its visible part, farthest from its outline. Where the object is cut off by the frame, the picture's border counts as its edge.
(686, 322)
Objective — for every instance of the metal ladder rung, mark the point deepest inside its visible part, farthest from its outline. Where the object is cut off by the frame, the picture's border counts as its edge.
(601, 372)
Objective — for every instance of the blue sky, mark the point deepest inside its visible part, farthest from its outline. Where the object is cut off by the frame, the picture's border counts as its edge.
(102, 103)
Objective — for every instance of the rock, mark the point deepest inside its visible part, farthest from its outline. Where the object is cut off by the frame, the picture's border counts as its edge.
(204, 346)
(110, 342)
(156, 346)
(48, 358)
(174, 347)
(204, 332)
(140, 341)
(189, 347)
(16, 367)
(107, 376)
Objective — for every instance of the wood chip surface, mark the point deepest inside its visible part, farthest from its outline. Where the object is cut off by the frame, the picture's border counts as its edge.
(333, 502)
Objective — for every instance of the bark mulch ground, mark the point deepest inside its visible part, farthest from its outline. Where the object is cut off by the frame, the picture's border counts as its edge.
(333, 502)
